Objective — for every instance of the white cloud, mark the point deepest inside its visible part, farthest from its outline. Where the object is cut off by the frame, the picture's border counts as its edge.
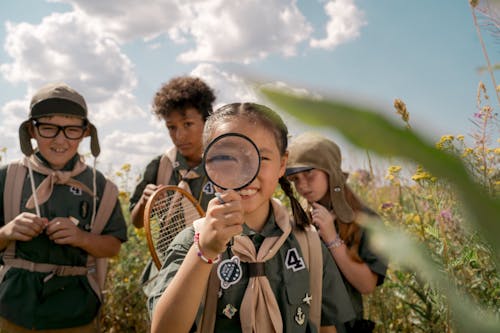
(241, 31)
(65, 48)
(285, 87)
(228, 87)
(129, 19)
(134, 148)
(345, 24)
(12, 114)
(222, 31)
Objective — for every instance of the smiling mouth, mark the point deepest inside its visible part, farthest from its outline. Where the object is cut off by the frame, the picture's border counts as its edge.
(247, 192)
(58, 150)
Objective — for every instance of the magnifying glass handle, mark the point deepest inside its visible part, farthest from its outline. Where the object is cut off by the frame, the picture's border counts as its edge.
(219, 197)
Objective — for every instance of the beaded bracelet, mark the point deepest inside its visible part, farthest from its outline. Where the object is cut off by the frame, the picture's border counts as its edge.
(200, 254)
(335, 243)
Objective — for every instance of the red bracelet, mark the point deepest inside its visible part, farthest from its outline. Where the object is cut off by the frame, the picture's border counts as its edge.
(200, 254)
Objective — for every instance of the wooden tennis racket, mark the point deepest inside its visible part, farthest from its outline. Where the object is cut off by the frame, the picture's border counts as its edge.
(168, 211)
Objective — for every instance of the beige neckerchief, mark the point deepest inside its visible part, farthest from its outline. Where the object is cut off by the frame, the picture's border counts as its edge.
(185, 176)
(44, 190)
(261, 298)
(259, 308)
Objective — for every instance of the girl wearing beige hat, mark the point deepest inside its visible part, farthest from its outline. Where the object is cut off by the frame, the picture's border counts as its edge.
(314, 166)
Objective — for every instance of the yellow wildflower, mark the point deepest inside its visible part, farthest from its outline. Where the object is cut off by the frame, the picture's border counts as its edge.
(421, 174)
(394, 169)
(467, 152)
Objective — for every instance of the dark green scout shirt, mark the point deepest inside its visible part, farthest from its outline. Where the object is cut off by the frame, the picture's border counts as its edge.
(60, 302)
(376, 265)
(201, 188)
(290, 287)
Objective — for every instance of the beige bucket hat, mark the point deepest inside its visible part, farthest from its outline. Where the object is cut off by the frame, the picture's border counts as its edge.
(313, 151)
(57, 99)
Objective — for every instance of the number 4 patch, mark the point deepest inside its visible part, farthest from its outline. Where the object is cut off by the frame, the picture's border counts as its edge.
(208, 188)
(294, 261)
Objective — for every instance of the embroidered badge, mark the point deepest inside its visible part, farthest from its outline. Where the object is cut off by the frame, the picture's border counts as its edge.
(294, 261)
(300, 317)
(307, 299)
(229, 272)
(209, 188)
(75, 190)
(229, 311)
(84, 209)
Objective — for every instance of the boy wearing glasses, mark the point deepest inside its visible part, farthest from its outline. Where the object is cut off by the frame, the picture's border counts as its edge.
(57, 221)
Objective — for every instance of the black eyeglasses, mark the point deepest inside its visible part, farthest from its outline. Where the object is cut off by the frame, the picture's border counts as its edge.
(49, 131)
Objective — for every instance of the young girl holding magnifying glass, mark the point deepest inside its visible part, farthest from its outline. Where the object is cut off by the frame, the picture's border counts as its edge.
(246, 244)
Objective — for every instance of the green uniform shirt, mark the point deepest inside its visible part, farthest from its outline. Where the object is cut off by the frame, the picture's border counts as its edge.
(376, 265)
(201, 188)
(288, 277)
(60, 302)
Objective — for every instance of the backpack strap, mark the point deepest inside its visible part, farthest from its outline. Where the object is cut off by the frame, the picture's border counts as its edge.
(14, 180)
(97, 267)
(166, 166)
(206, 322)
(310, 244)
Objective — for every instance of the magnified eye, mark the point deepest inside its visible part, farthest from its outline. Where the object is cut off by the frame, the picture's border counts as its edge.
(222, 158)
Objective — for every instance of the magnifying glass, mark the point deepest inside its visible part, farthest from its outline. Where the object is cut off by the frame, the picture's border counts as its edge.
(231, 161)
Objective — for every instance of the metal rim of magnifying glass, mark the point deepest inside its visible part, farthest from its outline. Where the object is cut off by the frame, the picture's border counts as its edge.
(217, 139)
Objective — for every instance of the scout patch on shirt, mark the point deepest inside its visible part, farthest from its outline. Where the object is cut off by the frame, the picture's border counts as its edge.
(294, 261)
(75, 190)
(208, 188)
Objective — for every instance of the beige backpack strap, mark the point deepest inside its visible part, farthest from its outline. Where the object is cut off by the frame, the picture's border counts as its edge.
(166, 166)
(14, 180)
(206, 323)
(98, 267)
(310, 244)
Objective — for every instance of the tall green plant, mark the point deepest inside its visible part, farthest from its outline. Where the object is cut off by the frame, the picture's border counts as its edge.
(369, 129)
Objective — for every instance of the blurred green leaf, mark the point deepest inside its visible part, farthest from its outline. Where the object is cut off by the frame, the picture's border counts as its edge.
(369, 129)
(406, 252)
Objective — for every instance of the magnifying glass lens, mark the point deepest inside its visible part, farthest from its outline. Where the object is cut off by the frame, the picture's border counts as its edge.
(231, 161)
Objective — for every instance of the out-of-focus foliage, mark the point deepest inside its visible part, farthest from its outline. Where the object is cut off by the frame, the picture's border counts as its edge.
(440, 233)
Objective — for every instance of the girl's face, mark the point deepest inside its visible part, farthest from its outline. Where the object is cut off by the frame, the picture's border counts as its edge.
(311, 184)
(256, 196)
(186, 134)
(59, 149)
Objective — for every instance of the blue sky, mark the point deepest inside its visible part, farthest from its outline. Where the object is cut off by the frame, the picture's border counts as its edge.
(118, 53)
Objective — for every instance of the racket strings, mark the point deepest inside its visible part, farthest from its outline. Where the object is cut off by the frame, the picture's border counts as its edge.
(171, 213)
